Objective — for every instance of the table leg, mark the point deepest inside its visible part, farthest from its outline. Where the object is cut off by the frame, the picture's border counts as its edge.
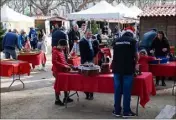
(16, 80)
(137, 106)
(77, 95)
(12, 82)
(71, 96)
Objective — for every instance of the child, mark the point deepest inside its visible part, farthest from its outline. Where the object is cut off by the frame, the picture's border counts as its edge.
(41, 45)
(60, 65)
(27, 45)
(144, 60)
(75, 50)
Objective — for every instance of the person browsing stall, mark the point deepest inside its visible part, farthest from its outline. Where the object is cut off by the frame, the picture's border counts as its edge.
(9, 43)
(123, 66)
(160, 48)
(144, 60)
(60, 65)
(33, 38)
(72, 34)
(42, 45)
(75, 50)
(87, 54)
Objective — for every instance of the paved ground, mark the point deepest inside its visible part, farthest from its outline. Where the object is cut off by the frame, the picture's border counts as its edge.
(37, 101)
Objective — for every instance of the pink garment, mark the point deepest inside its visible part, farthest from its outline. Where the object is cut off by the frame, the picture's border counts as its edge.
(27, 46)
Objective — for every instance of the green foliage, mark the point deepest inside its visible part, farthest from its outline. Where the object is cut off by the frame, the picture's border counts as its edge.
(94, 27)
(2, 32)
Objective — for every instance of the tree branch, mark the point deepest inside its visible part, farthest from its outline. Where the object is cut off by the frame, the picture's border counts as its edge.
(84, 3)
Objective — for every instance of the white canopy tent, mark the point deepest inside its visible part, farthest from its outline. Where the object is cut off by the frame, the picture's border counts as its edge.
(125, 11)
(136, 11)
(12, 19)
(101, 11)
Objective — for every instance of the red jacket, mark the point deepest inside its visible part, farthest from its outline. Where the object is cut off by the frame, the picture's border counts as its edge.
(144, 62)
(58, 60)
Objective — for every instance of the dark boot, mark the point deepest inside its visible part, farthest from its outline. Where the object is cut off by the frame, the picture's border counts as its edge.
(163, 81)
(157, 81)
(87, 95)
(91, 96)
(58, 101)
(66, 97)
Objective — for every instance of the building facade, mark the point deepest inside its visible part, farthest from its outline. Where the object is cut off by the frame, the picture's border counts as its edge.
(161, 17)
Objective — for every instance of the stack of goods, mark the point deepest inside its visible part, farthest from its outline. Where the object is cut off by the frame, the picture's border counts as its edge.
(89, 69)
(26, 52)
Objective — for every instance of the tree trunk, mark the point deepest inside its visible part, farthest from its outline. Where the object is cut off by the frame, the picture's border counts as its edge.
(45, 11)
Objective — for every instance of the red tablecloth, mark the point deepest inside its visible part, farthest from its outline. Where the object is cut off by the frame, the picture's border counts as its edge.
(75, 61)
(143, 85)
(11, 67)
(167, 70)
(172, 49)
(35, 59)
(107, 51)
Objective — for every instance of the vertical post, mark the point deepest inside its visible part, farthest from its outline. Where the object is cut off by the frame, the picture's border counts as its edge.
(30, 5)
(90, 26)
(23, 5)
(137, 106)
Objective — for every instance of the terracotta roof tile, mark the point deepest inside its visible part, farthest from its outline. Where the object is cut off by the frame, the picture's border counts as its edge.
(162, 10)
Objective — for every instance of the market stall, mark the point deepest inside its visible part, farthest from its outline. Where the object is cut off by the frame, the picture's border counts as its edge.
(34, 57)
(143, 85)
(101, 11)
(10, 68)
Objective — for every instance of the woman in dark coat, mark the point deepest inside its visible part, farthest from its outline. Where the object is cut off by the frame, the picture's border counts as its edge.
(160, 48)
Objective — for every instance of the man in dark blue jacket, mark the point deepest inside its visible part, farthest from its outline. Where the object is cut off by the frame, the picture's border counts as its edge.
(57, 36)
(87, 54)
(33, 38)
(10, 41)
(123, 66)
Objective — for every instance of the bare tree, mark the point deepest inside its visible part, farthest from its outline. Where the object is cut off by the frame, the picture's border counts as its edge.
(4, 2)
(46, 6)
(18, 5)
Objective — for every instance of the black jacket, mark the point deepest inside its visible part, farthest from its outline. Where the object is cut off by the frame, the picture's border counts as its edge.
(95, 45)
(85, 52)
(124, 55)
(158, 45)
(72, 35)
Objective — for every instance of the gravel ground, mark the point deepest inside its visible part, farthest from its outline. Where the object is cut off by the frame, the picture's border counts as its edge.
(36, 101)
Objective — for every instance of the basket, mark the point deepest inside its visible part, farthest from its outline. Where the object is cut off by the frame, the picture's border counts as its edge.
(29, 53)
(160, 61)
(89, 71)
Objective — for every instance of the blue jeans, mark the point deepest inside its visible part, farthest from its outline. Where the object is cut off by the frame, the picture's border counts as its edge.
(33, 44)
(9, 52)
(122, 85)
